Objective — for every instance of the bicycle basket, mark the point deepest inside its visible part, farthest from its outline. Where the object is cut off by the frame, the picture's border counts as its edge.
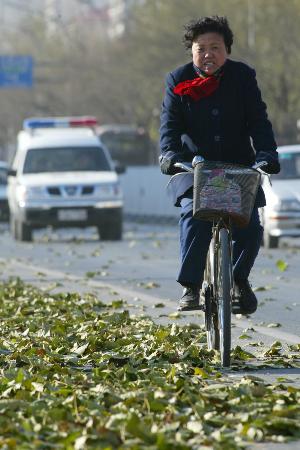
(224, 190)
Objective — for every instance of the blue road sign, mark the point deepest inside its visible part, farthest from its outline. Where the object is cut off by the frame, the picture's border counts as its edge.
(16, 71)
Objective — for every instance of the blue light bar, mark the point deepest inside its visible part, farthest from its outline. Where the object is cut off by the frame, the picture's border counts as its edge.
(59, 122)
(47, 122)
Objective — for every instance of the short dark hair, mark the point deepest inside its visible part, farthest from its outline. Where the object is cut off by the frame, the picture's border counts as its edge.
(209, 24)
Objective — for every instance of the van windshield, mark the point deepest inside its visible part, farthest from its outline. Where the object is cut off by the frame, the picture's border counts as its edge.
(65, 159)
(290, 166)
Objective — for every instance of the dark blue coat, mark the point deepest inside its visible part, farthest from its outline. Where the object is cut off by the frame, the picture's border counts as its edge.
(231, 125)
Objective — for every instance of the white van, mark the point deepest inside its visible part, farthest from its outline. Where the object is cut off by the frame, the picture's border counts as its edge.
(63, 176)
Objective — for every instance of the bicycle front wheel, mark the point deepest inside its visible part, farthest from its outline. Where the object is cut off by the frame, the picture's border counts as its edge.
(208, 295)
(223, 286)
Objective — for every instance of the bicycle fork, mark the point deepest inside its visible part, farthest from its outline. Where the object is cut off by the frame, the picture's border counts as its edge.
(216, 249)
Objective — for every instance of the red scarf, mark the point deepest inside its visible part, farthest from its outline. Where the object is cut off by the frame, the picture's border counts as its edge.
(198, 87)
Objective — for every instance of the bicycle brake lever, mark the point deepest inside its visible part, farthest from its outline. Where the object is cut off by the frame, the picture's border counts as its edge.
(259, 165)
(184, 166)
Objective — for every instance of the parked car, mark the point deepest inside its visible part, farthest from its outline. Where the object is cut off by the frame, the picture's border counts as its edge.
(62, 177)
(281, 216)
(4, 210)
(128, 145)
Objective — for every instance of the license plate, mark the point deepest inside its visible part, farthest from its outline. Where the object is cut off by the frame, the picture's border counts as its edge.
(72, 214)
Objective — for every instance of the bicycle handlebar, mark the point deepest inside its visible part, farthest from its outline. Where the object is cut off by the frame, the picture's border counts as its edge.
(189, 166)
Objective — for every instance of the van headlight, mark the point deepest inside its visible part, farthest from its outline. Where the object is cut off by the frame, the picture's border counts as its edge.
(287, 205)
(24, 193)
(107, 190)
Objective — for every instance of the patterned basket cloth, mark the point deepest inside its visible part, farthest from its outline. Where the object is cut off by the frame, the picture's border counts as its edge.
(224, 190)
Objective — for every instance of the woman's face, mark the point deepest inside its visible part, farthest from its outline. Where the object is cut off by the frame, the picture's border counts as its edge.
(209, 52)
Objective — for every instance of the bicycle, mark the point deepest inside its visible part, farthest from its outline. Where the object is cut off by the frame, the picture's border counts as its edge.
(223, 194)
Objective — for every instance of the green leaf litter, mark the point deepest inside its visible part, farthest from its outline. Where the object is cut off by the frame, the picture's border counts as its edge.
(80, 374)
(281, 265)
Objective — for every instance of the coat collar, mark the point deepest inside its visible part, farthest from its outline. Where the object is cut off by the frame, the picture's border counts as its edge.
(191, 73)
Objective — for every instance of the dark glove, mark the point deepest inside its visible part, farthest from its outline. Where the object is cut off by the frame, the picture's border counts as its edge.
(167, 161)
(272, 160)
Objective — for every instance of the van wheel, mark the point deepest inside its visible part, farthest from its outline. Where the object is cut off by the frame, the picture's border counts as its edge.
(24, 232)
(110, 232)
(270, 241)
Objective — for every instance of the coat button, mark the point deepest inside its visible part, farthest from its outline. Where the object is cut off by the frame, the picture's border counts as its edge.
(217, 138)
(215, 112)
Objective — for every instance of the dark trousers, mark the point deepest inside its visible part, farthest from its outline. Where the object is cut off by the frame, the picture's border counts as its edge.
(195, 236)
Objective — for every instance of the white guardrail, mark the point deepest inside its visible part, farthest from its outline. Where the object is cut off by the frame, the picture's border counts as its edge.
(145, 194)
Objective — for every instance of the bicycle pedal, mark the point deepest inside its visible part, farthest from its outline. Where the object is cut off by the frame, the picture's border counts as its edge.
(201, 307)
(193, 308)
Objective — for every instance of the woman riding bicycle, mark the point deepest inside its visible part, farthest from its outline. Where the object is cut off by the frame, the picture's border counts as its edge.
(213, 108)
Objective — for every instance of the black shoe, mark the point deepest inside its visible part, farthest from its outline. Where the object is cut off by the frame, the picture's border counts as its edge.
(190, 299)
(245, 301)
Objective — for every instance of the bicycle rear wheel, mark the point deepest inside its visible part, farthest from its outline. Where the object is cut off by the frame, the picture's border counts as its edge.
(223, 286)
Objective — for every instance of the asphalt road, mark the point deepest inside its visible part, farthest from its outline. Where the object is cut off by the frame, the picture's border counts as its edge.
(142, 268)
(145, 265)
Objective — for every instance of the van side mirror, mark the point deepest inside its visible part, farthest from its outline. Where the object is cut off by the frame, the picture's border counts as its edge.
(119, 168)
(11, 172)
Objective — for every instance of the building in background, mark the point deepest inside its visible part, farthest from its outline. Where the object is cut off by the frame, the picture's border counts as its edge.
(111, 15)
